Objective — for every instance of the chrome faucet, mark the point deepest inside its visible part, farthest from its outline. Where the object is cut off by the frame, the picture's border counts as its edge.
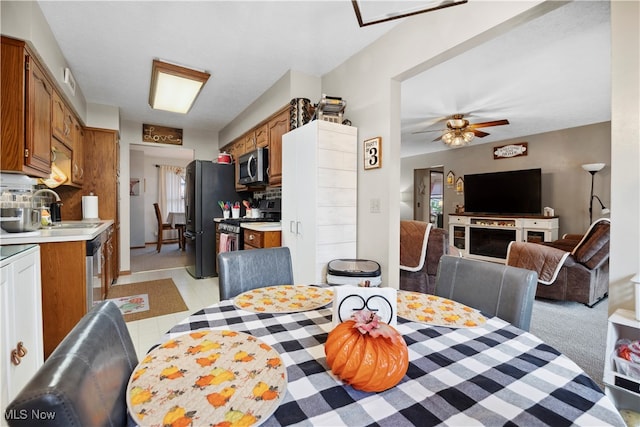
(45, 190)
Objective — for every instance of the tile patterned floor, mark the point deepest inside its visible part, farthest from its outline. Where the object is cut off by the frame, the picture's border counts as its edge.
(197, 293)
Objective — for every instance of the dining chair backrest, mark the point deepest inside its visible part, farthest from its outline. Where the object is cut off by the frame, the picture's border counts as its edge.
(241, 271)
(494, 289)
(84, 380)
(161, 227)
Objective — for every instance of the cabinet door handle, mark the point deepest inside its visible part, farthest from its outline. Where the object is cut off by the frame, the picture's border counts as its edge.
(15, 359)
(22, 350)
(251, 237)
(298, 227)
(291, 228)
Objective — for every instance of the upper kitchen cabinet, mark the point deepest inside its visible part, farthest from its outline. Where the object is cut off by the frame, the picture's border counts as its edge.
(278, 125)
(236, 149)
(62, 121)
(26, 111)
(77, 155)
(256, 137)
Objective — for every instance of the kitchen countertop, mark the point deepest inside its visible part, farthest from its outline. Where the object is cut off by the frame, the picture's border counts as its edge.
(262, 226)
(7, 252)
(52, 235)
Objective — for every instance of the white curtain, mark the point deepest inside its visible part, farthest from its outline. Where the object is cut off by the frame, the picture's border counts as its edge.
(171, 189)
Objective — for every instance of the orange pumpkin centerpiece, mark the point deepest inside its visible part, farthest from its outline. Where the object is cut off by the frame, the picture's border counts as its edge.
(366, 353)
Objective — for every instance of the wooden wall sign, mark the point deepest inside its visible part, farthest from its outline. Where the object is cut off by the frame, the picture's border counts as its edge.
(373, 153)
(511, 150)
(161, 134)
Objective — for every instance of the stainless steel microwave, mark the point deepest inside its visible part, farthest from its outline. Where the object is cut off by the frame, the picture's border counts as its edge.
(253, 167)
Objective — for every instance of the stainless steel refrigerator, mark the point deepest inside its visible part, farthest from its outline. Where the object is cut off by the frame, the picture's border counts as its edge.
(206, 183)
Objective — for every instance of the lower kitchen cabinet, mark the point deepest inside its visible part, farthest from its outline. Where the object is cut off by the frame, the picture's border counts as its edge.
(261, 239)
(20, 320)
(64, 290)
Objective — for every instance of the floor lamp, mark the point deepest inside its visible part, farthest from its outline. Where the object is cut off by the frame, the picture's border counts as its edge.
(593, 168)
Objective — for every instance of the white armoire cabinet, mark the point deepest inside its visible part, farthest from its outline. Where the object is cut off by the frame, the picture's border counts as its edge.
(319, 197)
(20, 319)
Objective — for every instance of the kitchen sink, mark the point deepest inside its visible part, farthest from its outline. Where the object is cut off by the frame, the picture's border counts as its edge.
(72, 225)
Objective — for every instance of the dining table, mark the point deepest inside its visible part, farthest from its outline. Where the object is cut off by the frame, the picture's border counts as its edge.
(485, 372)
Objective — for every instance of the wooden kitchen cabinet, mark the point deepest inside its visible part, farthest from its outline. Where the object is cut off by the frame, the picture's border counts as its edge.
(61, 121)
(64, 289)
(236, 149)
(77, 155)
(109, 265)
(278, 126)
(101, 177)
(261, 239)
(267, 134)
(26, 111)
(256, 137)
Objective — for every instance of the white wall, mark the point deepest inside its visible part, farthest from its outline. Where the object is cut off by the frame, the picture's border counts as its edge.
(625, 152)
(292, 84)
(137, 203)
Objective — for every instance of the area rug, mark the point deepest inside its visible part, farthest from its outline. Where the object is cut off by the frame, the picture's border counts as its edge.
(163, 298)
(132, 304)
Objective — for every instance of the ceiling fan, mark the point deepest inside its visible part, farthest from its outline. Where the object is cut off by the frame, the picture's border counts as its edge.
(460, 132)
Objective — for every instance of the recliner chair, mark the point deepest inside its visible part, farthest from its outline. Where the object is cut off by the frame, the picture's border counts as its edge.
(494, 289)
(411, 241)
(240, 271)
(84, 381)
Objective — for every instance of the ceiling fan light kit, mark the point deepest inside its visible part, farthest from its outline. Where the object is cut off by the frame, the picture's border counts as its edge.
(457, 138)
(460, 132)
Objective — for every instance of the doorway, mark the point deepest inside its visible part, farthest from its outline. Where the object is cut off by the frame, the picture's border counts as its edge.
(428, 187)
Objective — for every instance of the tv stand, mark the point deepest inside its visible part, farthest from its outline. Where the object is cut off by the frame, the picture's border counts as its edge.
(486, 237)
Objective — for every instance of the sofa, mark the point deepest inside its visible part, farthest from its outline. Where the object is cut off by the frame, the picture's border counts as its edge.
(583, 272)
(84, 381)
(421, 247)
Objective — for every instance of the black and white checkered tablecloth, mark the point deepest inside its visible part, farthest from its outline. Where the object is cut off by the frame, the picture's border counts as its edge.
(491, 375)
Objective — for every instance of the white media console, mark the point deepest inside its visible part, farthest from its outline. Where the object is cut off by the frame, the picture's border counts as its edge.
(487, 237)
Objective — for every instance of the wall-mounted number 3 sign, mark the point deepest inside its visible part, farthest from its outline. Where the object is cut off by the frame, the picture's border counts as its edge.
(373, 153)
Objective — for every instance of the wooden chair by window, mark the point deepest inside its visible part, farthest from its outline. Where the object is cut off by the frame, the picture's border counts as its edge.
(162, 226)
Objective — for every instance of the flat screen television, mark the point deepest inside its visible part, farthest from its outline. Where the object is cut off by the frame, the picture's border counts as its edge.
(510, 192)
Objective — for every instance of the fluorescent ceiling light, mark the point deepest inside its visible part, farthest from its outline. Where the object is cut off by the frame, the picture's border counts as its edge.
(175, 88)
(369, 12)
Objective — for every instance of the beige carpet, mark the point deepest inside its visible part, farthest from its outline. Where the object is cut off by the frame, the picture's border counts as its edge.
(164, 297)
(147, 259)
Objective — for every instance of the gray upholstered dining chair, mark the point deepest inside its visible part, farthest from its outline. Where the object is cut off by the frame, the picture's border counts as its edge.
(494, 289)
(84, 380)
(241, 271)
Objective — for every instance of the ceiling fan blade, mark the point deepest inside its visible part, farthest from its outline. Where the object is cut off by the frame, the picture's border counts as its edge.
(488, 124)
(479, 133)
(425, 131)
(437, 139)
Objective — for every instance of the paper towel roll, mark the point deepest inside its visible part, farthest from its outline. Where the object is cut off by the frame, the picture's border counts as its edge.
(90, 207)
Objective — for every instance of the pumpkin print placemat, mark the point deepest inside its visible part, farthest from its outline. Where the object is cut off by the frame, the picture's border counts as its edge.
(437, 311)
(207, 377)
(284, 299)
